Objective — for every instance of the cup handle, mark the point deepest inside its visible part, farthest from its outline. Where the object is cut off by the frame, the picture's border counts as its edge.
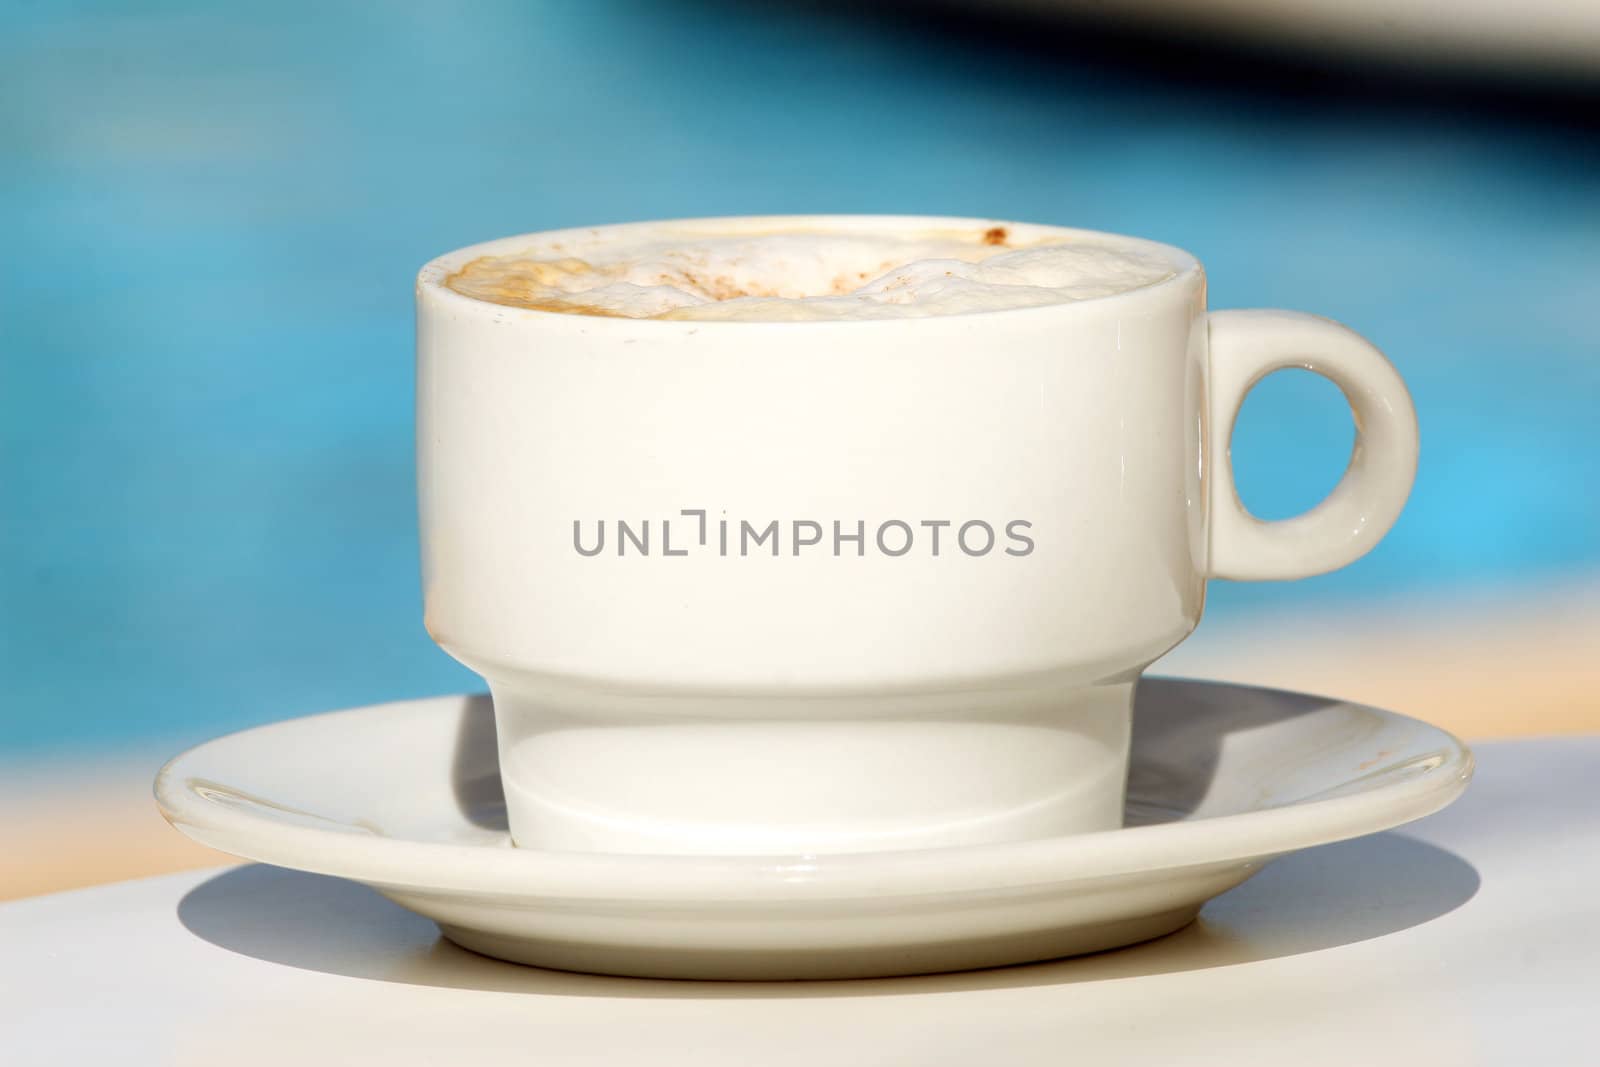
(1246, 346)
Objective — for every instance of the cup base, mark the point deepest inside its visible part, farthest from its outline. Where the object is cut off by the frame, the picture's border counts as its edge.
(599, 772)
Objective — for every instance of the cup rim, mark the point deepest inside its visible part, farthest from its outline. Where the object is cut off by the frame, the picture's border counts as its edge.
(431, 287)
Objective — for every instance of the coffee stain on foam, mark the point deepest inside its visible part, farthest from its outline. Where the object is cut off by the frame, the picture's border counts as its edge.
(528, 283)
(517, 280)
(514, 281)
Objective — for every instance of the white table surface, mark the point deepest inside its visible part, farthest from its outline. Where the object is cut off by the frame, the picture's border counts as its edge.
(1472, 937)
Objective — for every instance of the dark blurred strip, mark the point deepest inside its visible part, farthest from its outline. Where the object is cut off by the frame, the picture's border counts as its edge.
(1184, 43)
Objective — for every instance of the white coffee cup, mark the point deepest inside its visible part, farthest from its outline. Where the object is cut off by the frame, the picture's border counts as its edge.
(662, 693)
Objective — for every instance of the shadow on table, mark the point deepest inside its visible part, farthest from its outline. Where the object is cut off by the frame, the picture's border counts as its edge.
(1319, 899)
(1322, 898)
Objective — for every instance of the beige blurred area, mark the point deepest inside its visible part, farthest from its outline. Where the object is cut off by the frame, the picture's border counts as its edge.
(1515, 662)
(1483, 665)
(65, 825)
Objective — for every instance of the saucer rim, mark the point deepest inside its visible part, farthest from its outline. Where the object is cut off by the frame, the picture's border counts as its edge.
(499, 870)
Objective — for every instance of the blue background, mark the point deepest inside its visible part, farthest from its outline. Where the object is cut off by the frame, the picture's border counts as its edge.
(212, 217)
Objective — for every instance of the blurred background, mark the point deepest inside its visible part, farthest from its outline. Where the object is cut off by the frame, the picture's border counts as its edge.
(212, 216)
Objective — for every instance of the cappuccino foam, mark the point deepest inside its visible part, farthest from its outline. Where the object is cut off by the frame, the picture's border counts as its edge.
(805, 275)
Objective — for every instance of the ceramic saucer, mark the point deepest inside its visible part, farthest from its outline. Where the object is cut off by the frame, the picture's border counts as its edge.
(406, 798)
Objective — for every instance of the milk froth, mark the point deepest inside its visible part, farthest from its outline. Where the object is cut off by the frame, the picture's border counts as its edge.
(702, 274)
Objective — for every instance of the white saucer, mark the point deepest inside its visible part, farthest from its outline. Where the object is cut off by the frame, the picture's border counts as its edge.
(1223, 779)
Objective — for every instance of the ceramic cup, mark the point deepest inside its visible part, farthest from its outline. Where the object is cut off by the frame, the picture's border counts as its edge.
(745, 587)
